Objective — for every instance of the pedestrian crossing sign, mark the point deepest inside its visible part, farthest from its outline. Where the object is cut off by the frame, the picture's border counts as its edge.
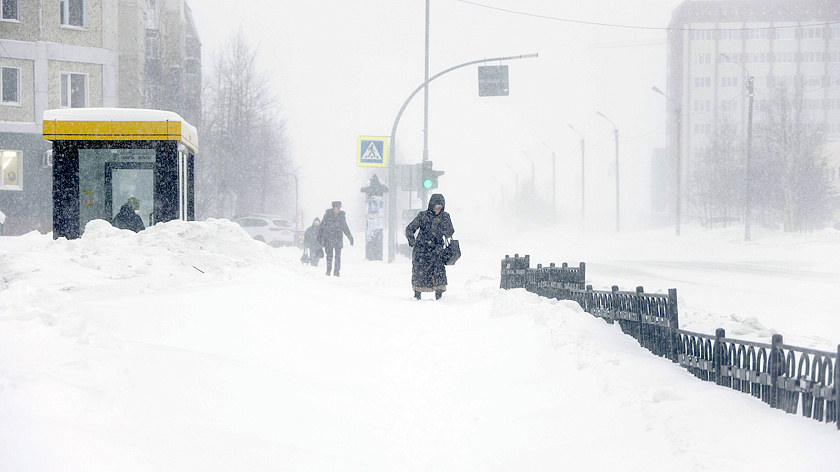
(372, 151)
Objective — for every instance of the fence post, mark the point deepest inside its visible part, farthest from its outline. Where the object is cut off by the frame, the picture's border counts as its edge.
(837, 384)
(582, 274)
(644, 335)
(774, 367)
(717, 357)
(504, 282)
(673, 324)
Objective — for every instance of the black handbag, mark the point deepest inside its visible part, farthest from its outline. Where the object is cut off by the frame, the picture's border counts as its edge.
(451, 253)
(304, 258)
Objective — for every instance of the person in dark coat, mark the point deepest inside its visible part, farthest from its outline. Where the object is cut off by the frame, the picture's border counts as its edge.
(432, 228)
(331, 236)
(128, 217)
(310, 242)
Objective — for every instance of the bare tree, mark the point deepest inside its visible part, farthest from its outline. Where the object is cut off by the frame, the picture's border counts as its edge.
(717, 181)
(244, 144)
(790, 181)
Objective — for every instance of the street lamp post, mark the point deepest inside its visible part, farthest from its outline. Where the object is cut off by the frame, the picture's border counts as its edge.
(747, 196)
(515, 184)
(582, 178)
(533, 182)
(677, 203)
(553, 183)
(615, 130)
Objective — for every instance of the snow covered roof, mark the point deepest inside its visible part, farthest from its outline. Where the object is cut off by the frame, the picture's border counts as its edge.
(118, 123)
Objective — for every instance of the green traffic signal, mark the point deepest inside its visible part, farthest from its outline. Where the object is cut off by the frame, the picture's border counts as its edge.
(427, 183)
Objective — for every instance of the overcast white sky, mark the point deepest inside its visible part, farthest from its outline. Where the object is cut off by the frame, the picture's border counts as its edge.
(343, 69)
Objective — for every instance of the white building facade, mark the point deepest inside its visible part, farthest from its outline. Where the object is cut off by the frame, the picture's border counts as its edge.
(715, 46)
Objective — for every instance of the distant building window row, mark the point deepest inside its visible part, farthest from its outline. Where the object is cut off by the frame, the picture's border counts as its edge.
(10, 10)
(703, 58)
(823, 104)
(10, 86)
(74, 13)
(702, 105)
(10, 170)
(777, 57)
(73, 90)
(729, 81)
(702, 81)
(729, 105)
(800, 81)
(702, 128)
(776, 32)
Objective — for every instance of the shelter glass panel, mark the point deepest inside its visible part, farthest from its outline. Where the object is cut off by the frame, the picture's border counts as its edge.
(109, 177)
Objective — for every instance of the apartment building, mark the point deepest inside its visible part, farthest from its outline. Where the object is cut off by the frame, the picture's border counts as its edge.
(83, 53)
(715, 46)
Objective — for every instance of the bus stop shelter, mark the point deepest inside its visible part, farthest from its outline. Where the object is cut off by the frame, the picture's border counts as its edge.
(102, 157)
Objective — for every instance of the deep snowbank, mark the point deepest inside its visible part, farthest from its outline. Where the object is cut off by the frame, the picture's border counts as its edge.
(190, 347)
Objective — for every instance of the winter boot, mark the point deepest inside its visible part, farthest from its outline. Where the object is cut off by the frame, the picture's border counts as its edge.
(335, 273)
(417, 294)
(438, 294)
(328, 271)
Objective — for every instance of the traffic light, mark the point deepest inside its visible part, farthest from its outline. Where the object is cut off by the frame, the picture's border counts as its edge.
(429, 176)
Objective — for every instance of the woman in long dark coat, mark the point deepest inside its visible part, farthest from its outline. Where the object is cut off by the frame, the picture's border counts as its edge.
(428, 273)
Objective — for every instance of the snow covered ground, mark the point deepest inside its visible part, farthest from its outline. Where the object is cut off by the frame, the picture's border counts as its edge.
(189, 347)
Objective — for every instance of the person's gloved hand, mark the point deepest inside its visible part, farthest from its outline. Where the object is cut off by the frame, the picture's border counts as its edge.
(411, 242)
(351, 241)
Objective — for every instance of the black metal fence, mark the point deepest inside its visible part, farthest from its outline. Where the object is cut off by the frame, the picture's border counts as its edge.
(790, 378)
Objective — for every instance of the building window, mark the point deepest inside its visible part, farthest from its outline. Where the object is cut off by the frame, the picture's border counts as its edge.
(703, 58)
(729, 81)
(10, 167)
(10, 10)
(73, 90)
(10, 86)
(74, 13)
(702, 81)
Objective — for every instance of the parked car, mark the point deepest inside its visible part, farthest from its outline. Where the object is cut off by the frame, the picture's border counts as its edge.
(269, 229)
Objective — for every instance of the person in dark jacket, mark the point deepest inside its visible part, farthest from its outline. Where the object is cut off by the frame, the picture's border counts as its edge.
(310, 242)
(433, 228)
(128, 217)
(331, 236)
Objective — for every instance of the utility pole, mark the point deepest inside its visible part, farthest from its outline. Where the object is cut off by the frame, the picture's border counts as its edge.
(553, 183)
(425, 104)
(677, 203)
(582, 178)
(747, 196)
(615, 130)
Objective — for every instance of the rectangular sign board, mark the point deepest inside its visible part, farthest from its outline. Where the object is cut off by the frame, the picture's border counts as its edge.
(493, 81)
(372, 151)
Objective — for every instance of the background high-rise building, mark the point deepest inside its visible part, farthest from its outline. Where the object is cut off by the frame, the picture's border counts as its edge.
(713, 49)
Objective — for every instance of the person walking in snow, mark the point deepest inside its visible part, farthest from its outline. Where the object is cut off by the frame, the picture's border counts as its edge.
(310, 242)
(433, 228)
(331, 236)
(129, 217)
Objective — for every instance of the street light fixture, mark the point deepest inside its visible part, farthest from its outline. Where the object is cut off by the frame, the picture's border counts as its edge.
(582, 178)
(747, 196)
(553, 183)
(677, 203)
(615, 129)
